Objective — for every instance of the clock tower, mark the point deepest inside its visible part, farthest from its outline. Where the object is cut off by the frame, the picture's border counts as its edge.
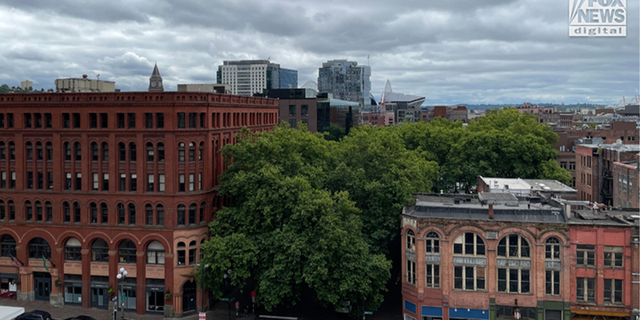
(155, 81)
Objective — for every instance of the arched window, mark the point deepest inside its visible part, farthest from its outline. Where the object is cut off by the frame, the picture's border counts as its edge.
(150, 152)
(514, 276)
(39, 155)
(78, 149)
(28, 211)
(192, 252)
(132, 214)
(67, 151)
(66, 212)
(76, 212)
(160, 152)
(122, 152)
(121, 213)
(72, 250)
(192, 151)
(39, 248)
(94, 212)
(105, 152)
(513, 246)
(181, 215)
(48, 211)
(469, 244)
(432, 242)
(202, 205)
(160, 214)
(181, 253)
(192, 213)
(94, 151)
(552, 266)
(29, 151)
(127, 252)
(552, 249)
(411, 241)
(148, 209)
(100, 251)
(104, 213)
(38, 208)
(132, 152)
(12, 210)
(155, 253)
(8, 246)
(181, 152)
(49, 147)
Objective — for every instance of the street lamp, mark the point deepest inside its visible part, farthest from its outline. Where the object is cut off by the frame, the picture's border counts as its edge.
(226, 288)
(202, 283)
(123, 273)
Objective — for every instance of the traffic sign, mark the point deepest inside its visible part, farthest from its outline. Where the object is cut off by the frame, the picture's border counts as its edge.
(368, 312)
(202, 316)
(124, 297)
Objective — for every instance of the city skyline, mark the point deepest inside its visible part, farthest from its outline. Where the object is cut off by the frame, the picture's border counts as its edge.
(498, 51)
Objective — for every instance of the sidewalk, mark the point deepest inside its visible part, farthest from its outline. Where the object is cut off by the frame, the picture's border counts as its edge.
(219, 311)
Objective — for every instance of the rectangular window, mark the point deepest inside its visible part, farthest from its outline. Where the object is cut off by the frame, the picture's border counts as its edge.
(469, 278)
(48, 122)
(93, 120)
(181, 257)
(304, 110)
(563, 165)
(66, 119)
(160, 120)
(192, 183)
(292, 123)
(123, 182)
(192, 120)
(29, 180)
(292, 110)
(105, 182)
(120, 120)
(95, 183)
(49, 180)
(411, 272)
(199, 181)
(572, 166)
(1, 120)
(585, 289)
(3, 181)
(37, 120)
(10, 120)
(148, 120)
(76, 121)
(613, 291)
(161, 183)
(40, 180)
(104, 121)
(613, 257)
(150, 182)
(67, 181)
(202, 115)
(552, 282)
(192, 256)
(78, 181)
(433, 276)
(27, 120)
(133, 182)
(181, 120)
(12, 182)
(586, 255)
(132, 120)
(181, 183)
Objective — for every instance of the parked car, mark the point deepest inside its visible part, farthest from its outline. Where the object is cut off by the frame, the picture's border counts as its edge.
(35, 315)
(80, 318)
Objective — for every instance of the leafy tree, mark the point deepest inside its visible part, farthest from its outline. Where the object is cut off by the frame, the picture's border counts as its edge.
(335, 132)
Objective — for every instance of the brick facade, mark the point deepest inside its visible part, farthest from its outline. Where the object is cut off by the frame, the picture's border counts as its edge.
(130, 170)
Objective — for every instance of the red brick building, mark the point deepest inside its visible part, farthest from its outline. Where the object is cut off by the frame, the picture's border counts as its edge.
(463, 259)
(626, 187)
(94, 182)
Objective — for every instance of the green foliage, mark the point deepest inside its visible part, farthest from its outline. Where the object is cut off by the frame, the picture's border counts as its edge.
(335, 132)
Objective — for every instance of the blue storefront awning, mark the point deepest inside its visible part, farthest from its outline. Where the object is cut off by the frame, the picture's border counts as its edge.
(409, 306)
(431, 311)
(464, 313)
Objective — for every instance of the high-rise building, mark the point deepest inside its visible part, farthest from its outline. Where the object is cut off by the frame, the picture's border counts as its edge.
(248, 77)
(94, 182)
(346, 80)
(24, 85)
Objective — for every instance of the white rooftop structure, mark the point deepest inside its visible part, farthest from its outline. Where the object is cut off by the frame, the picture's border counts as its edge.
(391, 98)
(526, 187)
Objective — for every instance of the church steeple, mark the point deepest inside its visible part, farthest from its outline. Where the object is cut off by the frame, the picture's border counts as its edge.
(155, 81)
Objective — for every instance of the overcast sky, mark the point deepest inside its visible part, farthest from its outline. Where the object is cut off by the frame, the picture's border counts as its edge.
(462, 51)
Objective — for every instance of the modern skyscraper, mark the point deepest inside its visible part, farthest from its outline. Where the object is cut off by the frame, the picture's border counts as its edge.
(247, 77)
(346, 81)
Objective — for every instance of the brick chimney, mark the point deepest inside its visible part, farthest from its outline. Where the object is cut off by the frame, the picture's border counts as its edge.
(490, 211)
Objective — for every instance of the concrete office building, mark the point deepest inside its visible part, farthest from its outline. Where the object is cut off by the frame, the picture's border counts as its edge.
(84, 84)
(346, 80)
(248, 77)
(24, 85)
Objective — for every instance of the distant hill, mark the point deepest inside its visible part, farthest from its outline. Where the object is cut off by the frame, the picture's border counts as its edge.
(498, 106)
